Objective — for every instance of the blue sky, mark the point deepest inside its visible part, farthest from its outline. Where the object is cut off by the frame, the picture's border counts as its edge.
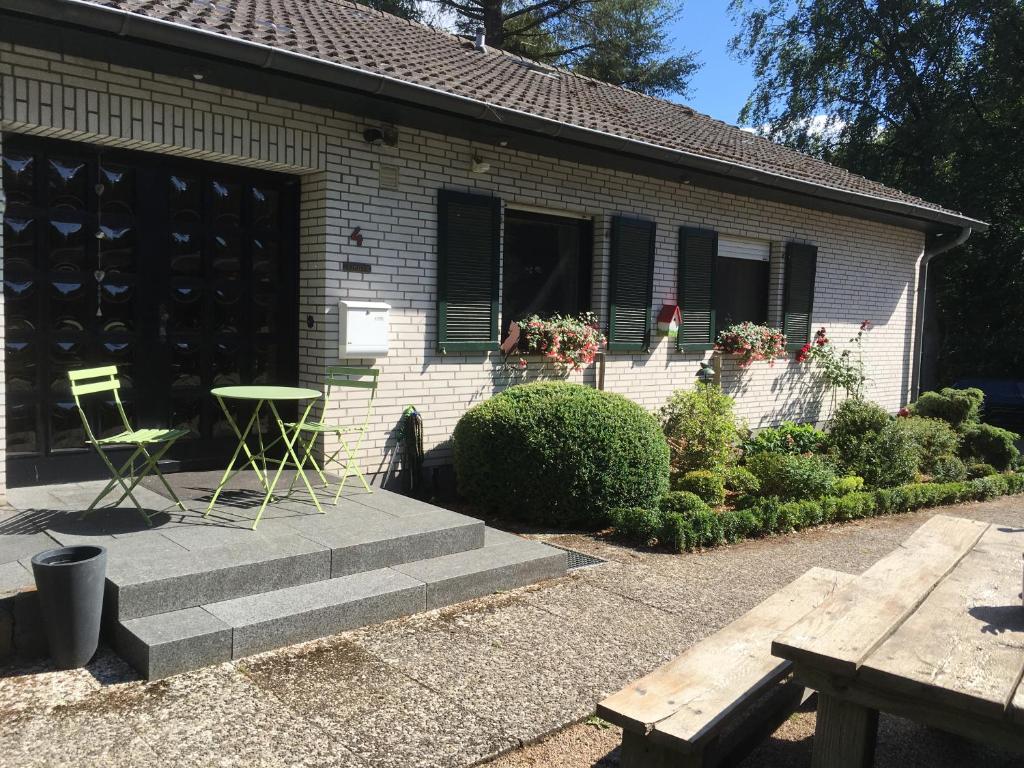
(721, 87)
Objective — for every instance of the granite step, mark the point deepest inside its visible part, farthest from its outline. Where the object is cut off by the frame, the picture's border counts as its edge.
(321, 548)
(182, 640)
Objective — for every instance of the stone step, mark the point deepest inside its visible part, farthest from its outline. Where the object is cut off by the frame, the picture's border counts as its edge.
(194, 637)
(321, 547)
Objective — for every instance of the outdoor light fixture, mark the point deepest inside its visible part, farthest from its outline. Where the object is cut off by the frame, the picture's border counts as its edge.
(706, 374)
(373, 136)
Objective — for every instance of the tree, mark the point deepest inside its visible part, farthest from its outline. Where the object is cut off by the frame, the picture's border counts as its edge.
(407, 9)
(623, 42)
(924, 95)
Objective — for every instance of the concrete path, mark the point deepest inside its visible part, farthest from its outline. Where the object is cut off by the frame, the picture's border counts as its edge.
(461, 685)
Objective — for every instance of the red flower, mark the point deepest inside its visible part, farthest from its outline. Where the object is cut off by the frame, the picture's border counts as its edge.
(865, 325)
(903, 413)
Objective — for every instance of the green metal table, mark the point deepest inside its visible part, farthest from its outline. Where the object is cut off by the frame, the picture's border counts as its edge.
(264, 396)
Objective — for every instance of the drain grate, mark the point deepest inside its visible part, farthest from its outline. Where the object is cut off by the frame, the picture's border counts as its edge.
(578, 560)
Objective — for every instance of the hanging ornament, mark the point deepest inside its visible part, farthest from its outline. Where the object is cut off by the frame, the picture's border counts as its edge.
(99, 274)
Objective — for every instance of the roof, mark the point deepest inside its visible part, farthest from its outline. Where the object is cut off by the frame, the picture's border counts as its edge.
(356, 37)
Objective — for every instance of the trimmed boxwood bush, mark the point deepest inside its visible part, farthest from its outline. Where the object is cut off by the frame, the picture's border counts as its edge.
(560, 453)
(681, 502)
(741, 480)
(868, 442)
(980, 469)
(792, 477)
(933, 439)
(954, 406)
(638, 524)
(707, 485)
(948, 469)
(847, 484)
(786, 438)
(738, 524)
(991, 445)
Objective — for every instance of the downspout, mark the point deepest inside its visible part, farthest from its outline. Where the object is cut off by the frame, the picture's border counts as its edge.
(922, 289)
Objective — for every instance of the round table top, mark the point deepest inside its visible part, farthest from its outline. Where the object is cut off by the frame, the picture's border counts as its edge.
(259, 392)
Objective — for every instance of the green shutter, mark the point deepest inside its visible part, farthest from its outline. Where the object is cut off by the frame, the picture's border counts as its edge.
(468, 234)
(631, 285)
(698, 253)
(798, 296)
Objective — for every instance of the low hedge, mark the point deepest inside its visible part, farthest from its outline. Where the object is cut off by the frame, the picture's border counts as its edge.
(695, 526)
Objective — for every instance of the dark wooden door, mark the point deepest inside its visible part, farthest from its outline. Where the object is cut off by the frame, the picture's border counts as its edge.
(182, 273)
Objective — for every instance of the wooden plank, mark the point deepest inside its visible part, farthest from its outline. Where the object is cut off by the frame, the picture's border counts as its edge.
(712, 678)
(844, 734)
(638, 751)
(842, 632)
(964, 645)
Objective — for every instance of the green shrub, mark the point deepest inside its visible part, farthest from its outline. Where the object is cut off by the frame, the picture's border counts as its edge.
(948, 469)
(803, 514)
(854, 506)
(989, 487)
(560, 453)
(701, 428)
(980, 469)
(1014, 482)
(786, 438)
(954, 406)
(681, 503)
(932, 438)
(677, 533)
(846, 484)
(852, 421)
(792, 477)
(740, 480)
(708, 485)
(638, 524)
(738, 524)
(989, 444)
(866, 441)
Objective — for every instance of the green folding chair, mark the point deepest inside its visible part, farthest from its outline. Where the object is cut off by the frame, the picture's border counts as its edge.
(93, 381)
(350, 438)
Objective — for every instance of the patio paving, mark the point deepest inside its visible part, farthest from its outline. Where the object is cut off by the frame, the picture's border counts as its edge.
(459, 685)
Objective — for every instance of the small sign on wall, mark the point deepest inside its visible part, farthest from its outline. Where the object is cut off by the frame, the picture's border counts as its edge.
(356, 266)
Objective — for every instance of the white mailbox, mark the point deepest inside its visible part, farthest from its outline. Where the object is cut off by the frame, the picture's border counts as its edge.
(363, 328)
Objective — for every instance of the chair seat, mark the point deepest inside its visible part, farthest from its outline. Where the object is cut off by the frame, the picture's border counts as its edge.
(142, 437)
(312, 426)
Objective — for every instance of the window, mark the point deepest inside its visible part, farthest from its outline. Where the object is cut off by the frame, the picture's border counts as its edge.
(741, 281)
(547, 266)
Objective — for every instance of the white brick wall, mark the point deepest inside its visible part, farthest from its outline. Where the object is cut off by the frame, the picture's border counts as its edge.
(865, 270)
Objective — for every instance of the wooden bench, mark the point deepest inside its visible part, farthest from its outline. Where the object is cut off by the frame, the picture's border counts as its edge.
(714, 703)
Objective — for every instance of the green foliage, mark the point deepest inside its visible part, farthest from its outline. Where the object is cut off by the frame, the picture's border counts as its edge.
(560, 453)
(638, 524)
(701, 428)
(868, 442)
(786, 438)
(989, 487)
(708, 485)
(738, 524)
(956, 407)
(948, 469)
(932, 438)
(846, 484)
(980, 469)
(740, 480)
(681, 502)
(792, 477)
(991, 445)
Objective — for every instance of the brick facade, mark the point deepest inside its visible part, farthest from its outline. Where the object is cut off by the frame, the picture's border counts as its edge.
(865, 270)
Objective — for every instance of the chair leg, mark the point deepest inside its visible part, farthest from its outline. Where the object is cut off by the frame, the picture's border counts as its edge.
(156, 471)
(148, 467)
(118, 479)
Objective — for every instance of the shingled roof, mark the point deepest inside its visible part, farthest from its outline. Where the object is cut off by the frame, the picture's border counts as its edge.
(357, 37)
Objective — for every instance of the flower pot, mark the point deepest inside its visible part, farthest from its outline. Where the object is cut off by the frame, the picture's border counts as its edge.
(70, 584)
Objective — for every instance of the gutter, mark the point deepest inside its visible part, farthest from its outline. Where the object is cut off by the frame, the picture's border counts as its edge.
(922, 289)
(200, 42)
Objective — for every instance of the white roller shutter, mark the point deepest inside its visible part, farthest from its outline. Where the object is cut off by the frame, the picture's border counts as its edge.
(743, 248)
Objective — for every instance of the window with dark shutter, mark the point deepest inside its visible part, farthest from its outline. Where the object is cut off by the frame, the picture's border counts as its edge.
(698, 254)
(468, 228)
(798, 297)
(631, 285)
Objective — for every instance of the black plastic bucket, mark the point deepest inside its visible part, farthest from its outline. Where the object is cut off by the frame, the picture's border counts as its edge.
(70, 584)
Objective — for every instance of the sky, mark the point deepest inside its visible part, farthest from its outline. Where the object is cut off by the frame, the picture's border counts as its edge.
(721, 87)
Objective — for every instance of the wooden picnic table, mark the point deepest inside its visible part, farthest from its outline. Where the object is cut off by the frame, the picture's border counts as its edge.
(933, 632)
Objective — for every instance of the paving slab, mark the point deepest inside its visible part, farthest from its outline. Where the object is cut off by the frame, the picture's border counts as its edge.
(169, 643)
(294, 615)
(15, 577)
(14, 547)
(376, 711)
(393, 503)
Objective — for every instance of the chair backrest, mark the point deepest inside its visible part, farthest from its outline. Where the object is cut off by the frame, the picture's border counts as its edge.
(355, 378)
(91, 381)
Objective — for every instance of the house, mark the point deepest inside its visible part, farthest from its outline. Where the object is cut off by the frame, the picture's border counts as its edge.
(192, 187)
